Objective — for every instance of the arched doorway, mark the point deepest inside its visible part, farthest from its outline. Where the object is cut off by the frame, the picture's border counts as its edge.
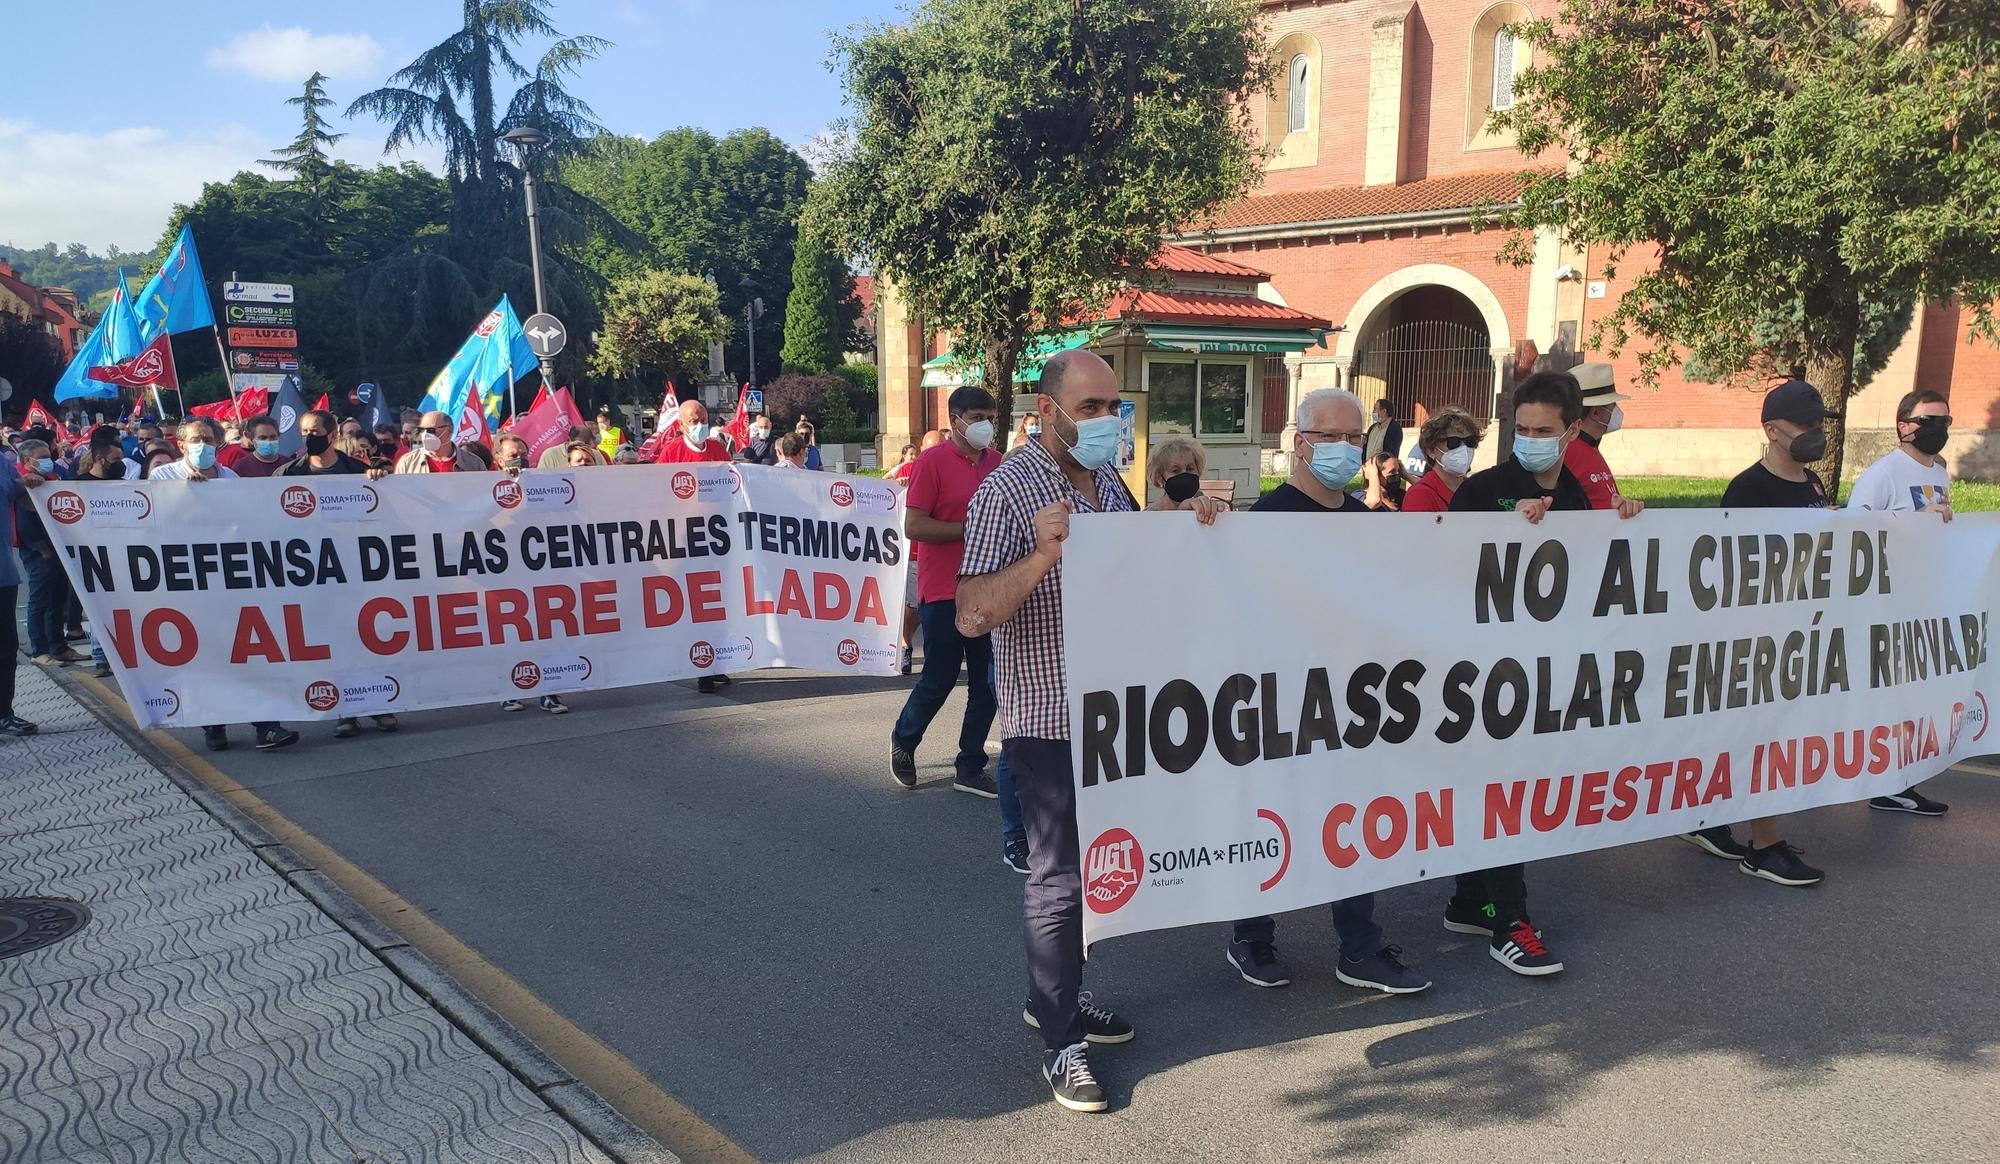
(1426, 348)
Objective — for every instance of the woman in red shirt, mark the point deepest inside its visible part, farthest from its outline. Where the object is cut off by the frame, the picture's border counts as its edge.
(1449, 440)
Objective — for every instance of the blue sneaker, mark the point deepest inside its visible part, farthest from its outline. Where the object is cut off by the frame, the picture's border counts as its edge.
(1016, 857)
(1383, 971)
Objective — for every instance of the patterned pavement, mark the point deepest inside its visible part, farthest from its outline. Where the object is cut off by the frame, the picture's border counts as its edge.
(210, 1011)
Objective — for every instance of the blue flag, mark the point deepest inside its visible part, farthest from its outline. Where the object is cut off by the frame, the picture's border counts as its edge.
(121, 325)
(76, 383)
(175, 299)
(496, 353)
(287, 409)
(374, 407)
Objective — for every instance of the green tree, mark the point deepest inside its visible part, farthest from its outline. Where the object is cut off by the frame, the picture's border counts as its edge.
(1011, 160)
(30, 359)
(1793, 161)
(305, 159)
(812, 326)
(659, 322)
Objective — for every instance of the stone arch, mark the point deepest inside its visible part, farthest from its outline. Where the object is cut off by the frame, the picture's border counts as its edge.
(1395, 283)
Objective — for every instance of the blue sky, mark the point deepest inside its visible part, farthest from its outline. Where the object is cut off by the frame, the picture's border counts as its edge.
(99, 155)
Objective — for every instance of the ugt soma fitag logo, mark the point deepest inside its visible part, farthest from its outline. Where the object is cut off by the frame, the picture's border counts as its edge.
(507, 493)
(842, 493)
(298, 501)
(1111, 869)
(705, 654)
(558, 674)
(346, 499)
(117, 507)
(526, 675)
(708, 482)
(66, 506)
(322, 695)
(683, 484)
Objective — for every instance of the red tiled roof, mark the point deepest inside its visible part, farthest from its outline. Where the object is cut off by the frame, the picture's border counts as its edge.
(1333, 203)
(1206, 307)
(1181, 260)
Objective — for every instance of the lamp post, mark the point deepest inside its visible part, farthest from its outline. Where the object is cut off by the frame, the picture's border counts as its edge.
(529, 141)
(753, 310)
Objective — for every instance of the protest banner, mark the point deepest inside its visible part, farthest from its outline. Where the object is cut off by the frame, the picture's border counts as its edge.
(1290, 709)
(316, 597)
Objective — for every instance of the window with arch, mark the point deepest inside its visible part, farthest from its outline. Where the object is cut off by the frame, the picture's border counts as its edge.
(1298, 95)
(1497, 56)
(1503, 69)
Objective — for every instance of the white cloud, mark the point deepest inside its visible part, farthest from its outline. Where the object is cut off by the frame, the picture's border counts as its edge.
(292, 54)
(119, 186)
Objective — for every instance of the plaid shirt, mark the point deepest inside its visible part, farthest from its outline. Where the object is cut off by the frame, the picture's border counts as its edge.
(1030, 679)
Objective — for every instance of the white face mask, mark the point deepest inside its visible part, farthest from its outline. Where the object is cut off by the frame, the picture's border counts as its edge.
(1457, 462)
(979, 434)
(1617, 420)
(697, 435)
(431, 442)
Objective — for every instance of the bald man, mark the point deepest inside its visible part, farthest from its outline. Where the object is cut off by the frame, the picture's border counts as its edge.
(433, 451)
(695, 442)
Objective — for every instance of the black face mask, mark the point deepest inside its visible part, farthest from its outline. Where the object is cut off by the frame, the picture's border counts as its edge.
(1808, 446)
(1930, 437)
(317, 443)
(1181, 486)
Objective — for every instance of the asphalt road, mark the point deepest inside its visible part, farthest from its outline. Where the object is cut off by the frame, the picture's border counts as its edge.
(731, 892)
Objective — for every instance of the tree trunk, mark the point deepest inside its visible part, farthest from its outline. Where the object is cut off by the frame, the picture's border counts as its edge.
(1833, 376)
(1002, 357)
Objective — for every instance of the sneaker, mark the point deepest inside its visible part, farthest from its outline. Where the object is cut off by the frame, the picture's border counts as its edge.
(1518, 946)
(217, 738)
(1780, 863)
(1383, 971)
(1099, 1024)
(1463, 918)
(276, 738)
(1016, 856)
(345, 729)
(903, 765)
(1258, 963)
(46, 660)
(75, 635)
(903, 661)
(1718, 842)
(554, 705)
(101, 671)
(1067, 1072)
(69, 655)
(1908, 800)
(386, 723)
(14, 725)
(978, 784)
(511, 705)
(707, 685)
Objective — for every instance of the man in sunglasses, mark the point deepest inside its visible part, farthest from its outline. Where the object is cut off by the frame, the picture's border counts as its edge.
(1911, 478)
(433, 451)
(1449, 440)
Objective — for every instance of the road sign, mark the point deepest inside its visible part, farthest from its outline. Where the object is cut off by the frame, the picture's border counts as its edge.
(269, 381)
(753, 400)
(263, 337)
(257, 292)
(6, 389)
(263, 314)
(546, 335)
(259, 361)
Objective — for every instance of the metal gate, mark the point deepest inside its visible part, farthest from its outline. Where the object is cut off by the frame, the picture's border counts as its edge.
(1427, 363)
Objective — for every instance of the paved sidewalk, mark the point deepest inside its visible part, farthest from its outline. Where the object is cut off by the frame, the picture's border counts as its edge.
(211, 1011)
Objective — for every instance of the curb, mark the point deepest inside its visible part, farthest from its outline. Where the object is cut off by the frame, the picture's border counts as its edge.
(593, 1117)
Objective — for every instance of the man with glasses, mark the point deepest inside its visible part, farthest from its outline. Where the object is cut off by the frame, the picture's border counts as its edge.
(1910, 479)
(434, 452)
(1325, 455)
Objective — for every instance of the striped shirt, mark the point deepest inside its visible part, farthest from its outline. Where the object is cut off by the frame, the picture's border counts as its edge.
(1029, 674)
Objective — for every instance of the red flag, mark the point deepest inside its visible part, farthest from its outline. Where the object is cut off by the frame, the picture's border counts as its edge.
(138, 401)
(250, 402)
(151, 368)
(472, 423)
(37, 415)
(324, 404)
(665, 425)
(738, 429)
(63, 435)
(541, 397)
(546, 425)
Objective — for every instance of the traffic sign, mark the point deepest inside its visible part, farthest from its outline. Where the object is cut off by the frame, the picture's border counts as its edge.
(262, 314)
(263, 337)
(546, 335)
(236, 292)
(753, 400)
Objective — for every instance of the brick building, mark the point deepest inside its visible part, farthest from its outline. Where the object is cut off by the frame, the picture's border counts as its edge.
(1379, 161)
(54, 310)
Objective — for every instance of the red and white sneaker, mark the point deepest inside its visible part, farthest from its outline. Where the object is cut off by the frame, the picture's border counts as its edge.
(1519, 948)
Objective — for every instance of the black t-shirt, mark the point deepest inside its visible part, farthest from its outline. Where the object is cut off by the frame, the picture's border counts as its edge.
(303, 467)
(1759, 488)
(1499, 489)
(1289, 498)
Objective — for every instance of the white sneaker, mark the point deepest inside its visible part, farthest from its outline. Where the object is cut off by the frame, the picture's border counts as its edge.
(511, 705)
(554, 705)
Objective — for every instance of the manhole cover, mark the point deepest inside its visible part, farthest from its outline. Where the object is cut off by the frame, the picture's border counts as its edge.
(29, 923)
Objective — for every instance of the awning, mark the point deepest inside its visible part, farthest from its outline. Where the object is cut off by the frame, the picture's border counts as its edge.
(956, 369)
(1255, 340)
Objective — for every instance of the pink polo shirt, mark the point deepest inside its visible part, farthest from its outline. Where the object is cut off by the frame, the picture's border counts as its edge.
(942, 485)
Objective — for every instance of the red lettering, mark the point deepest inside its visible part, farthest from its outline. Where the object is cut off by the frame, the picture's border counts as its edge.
(426, 636)
(458, 620)
(121, 636)
(370, 626)
(1627, 789)
(555, 606)
(1590, 798)
(650, 593)
(1341, 854)
(792, 596)
(301, 650)
(705, 593)
(869, 608)
(831, 596)
(751, 603)
(1546, 815)
(1718, 781)
(1783, 771)
(507, 609)
(1503, 808)
(1434, 819)
(600, 607)
(1878, 751)
(1816, 760)
(1385, 845)
(1656, 773)
(254, 638)
(155, 643)
(1686, 777)
(1848, 758)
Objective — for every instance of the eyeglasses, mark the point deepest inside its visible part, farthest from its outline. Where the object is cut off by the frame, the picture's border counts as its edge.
(1461, 442)
(1352, 438)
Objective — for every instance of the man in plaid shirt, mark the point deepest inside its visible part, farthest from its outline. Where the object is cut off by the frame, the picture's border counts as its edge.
(1010, 584)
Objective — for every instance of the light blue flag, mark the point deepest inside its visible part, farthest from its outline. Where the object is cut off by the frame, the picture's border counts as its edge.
(496, 351)
(76, 383)
(121, 324)
(176, 298)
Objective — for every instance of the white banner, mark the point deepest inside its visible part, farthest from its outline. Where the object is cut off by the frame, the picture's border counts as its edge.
(316, 597)
(1289, 709)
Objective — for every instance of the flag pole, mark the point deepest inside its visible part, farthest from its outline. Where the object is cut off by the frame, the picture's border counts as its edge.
(216, 331)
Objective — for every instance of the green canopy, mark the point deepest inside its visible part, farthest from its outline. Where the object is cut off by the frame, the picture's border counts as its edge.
(956, 369)
(1266, 340)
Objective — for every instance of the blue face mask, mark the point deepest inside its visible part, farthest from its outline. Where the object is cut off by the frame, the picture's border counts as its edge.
(267, 448)
(1096, 440)
(1538, 454)
(45, 466)
(1334, 463)
(201, 456)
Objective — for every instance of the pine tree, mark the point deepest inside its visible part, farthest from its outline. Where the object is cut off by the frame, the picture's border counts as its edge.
(812, 327)
(306, 159)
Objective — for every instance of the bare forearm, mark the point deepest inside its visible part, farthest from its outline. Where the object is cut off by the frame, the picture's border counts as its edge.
(922, 527)
(987, 600)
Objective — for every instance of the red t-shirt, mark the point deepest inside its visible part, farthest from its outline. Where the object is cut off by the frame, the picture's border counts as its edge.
(250, 465)
(942, 485)
(442, 464)
(1587, 465)
(1429, 495)
(902, 472)
(229, 454)
(677, 452)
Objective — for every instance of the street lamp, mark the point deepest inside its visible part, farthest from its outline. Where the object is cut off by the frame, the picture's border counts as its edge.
(530, 141)
(753, 310)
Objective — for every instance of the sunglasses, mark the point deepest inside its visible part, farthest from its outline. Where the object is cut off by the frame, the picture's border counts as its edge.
(1461, 442)
(1925, 421)
(429, 428)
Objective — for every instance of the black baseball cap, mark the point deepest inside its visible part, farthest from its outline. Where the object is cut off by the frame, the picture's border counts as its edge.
(1796, 401)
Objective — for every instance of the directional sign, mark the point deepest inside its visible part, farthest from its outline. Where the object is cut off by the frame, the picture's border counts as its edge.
(263, 337)
(257, 292)
(263, 314)
(244, 361)
(546, 335)
(753, 400)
